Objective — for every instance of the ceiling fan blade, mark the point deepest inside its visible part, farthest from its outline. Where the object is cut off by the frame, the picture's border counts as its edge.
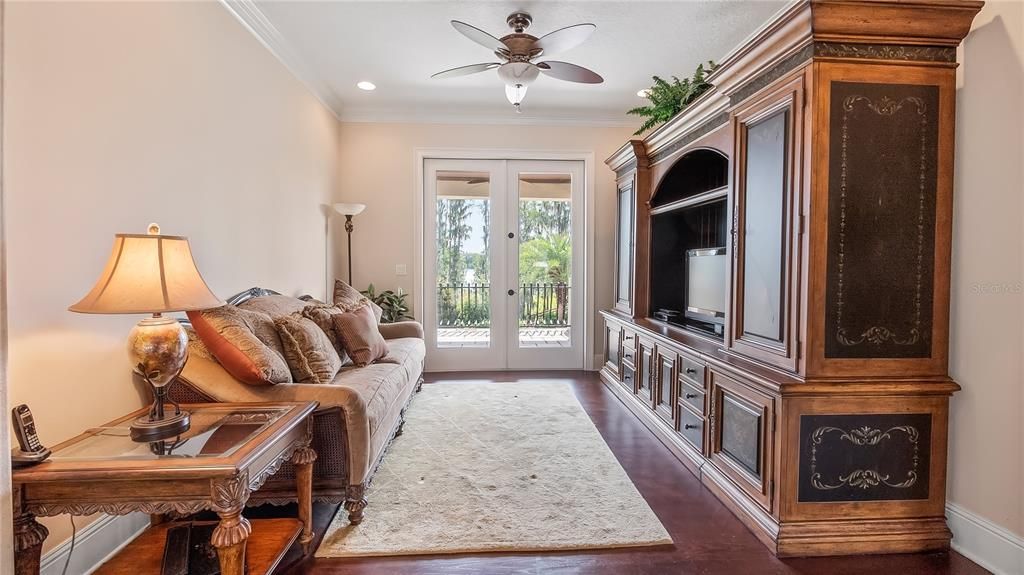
(564, 39)
(480, 37)
(466, 70)
(569, 72)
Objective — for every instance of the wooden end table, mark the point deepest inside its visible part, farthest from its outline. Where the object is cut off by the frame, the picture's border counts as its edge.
(229, 452)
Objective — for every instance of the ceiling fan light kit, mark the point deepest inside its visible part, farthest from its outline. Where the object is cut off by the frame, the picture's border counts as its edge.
(517, 52)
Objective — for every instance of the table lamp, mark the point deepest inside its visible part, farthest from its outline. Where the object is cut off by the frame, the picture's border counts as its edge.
(153, 274)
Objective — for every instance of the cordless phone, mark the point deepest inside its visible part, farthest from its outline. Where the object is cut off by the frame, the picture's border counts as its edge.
(31, 450)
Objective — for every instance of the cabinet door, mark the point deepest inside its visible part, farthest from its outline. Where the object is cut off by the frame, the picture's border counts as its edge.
(624, 246)
(613, 347)
(645, 385)
(665, 390)
(765, 285)
(742, 436)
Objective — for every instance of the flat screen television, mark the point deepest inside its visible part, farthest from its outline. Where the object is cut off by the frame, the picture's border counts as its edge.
(705, 286)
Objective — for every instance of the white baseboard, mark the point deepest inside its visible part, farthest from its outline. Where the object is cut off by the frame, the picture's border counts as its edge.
(984, 542)
(94, 544)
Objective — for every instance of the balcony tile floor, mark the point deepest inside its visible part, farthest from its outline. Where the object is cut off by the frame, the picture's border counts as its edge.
(479, 336)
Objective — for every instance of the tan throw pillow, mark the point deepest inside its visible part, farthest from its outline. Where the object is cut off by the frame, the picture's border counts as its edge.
(359, 335)
(310, 355)
(348, 298)
(244, 342)
(322, 315)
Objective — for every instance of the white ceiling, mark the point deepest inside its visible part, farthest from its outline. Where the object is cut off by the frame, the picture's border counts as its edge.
(398, 45)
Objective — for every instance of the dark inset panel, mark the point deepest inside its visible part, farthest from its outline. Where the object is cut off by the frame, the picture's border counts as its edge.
(741, 434)
(881, 220)
(864, 457)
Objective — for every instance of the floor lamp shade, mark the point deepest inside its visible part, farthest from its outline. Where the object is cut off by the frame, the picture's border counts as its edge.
(152, 274)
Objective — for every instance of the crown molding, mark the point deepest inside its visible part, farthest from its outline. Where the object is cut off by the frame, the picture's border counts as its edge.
(402, 116)
(257, 23)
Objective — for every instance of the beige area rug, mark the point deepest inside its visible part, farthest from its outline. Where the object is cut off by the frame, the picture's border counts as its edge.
(497, 467)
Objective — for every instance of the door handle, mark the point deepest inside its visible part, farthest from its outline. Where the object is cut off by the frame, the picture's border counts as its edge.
(511, 235)
(511, 292)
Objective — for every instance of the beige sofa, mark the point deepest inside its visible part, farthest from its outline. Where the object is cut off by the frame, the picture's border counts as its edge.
(360, 412)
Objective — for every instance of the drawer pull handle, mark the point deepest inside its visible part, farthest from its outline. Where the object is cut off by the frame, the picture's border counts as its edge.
(691, 395)
(691, 371)
(688, 426)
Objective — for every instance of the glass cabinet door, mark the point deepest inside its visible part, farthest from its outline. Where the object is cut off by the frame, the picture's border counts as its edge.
(624, 248)
(764, 246)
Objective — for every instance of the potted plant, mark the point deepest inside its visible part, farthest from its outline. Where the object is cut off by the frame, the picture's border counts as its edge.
(393, 303)
(669, 98)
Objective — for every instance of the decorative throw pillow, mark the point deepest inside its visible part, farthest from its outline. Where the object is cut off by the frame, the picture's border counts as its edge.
(322, 315)
(348, 298)
(359, 335)
(309, 352)
(244, 342)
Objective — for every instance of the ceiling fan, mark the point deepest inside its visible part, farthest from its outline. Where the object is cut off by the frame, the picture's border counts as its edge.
(517, 52)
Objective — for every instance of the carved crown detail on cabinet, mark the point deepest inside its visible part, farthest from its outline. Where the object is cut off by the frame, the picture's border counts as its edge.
(800, 369)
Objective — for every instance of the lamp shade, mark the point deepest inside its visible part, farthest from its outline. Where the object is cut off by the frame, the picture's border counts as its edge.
(149, 273)
(349, 209)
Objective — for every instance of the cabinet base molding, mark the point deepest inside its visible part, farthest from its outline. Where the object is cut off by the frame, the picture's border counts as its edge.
(801, 538)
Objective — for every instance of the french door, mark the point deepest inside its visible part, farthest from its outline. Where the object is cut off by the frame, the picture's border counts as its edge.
(503, 264)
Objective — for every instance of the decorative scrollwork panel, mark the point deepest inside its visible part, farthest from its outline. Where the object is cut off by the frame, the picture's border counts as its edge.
(883, 181)
(864, 457)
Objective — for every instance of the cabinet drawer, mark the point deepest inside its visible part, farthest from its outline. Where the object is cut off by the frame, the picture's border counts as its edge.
(629, 377)
(692, 396)
(691, 427)
(692, 371)
(629, 347)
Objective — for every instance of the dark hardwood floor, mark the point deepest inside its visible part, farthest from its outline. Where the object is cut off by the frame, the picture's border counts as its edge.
(708, 538)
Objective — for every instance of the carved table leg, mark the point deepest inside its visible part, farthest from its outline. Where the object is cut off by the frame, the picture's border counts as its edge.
(355, 502)
(303, 460)
(231, 534)
(28, 542)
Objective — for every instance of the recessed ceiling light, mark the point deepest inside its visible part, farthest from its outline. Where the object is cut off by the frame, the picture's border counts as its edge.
(364, 85)
(644, 93)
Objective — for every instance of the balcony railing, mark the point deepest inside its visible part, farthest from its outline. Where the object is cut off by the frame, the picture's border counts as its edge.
(469, 305)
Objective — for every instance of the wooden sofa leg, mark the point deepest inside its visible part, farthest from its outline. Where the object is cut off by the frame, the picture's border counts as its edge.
(355, 503)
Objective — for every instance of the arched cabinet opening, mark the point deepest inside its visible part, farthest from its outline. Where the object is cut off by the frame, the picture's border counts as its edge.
(689, 230)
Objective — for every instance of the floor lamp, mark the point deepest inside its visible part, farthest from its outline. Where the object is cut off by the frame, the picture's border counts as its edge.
(349, 210)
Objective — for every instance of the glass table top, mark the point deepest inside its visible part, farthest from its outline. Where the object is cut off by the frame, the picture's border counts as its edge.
(215, 431)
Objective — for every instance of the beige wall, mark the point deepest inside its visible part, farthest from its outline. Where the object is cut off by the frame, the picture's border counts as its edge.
(119, 114)
(378, 169)
(986, 462)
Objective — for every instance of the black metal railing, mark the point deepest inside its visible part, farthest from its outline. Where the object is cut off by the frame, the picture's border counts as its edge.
(469, 305)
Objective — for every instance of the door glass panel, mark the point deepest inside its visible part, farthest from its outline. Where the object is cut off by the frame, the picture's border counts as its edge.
(545, 259)
(625, 246)
(463, 259)
(764, 213)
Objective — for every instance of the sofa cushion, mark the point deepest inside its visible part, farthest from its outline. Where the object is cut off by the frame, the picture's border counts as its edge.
(245, 342)
(347, 297)
(310, 355)
(358, 333)
(323, 316)
(274, 305)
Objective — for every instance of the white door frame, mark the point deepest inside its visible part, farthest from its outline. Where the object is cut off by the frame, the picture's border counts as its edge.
(587, 157)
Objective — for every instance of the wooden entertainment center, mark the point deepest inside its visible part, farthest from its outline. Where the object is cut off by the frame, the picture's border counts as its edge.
(814, 403)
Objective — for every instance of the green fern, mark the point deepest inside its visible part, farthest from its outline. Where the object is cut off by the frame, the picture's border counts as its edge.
(669, 98)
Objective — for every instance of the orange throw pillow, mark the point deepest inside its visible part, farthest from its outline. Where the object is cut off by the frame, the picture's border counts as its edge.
(360, 336)
(244, 342)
